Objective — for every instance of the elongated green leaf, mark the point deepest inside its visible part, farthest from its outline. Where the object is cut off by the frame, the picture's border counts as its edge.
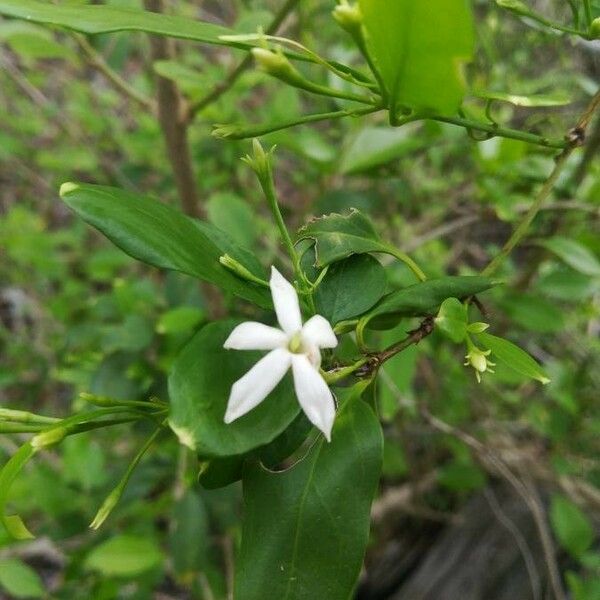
(424, 298)
(305, 530)
(420, 49)
(199, 386)
(337, 297)
(13, 523)
(162, 236)
(513, 357)
(574, 254)
(109, 19)
(340, 236)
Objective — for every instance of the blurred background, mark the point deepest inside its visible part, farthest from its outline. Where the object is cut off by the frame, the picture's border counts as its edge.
(489, 491)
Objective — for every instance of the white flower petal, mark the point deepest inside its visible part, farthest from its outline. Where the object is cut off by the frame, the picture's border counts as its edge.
(255, 336)
(251, 389)
(314, 395)
(286, 303)
(319, 332)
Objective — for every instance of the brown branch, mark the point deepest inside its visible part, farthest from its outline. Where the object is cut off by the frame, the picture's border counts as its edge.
(172, 110)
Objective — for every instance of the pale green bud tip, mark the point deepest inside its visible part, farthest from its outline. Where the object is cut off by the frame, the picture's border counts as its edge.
(271, 62)
(67, 188)
(222, 131)
(48, 438)
(233, 265)
(107, 507)
(348, 16)
(595, 29)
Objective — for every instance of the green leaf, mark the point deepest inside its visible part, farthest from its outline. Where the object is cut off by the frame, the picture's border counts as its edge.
(374, 147)
(425, 298)
(13, 523)
(31, 41)
(453, 319)
(190, 535)
(124, 556)
(574, 254)
(160, 235)
(199, 386)
(339, 236)
(305, 529)
(419, 49)
(231, 214)
(19, 580)
(572, 527)
(338, 298)
(530, 101)
(180, 319)
(109, 19)
(513, 357)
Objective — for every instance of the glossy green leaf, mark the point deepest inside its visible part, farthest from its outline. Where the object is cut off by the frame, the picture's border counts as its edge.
(109, 19)
(13, 523)
(305, 529)
(420, 49)
(125, 556)
(340, 236)
(337, 297)
(19, 580)
(572, 527)
(425, 298)
(452, 319)
(513, 357)
(160, 235)
(199, 386)
(574, 254)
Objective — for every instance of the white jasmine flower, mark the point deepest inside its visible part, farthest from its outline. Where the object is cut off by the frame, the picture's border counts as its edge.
(294, 345)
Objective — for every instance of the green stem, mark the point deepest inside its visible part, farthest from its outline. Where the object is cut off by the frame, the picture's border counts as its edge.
(268, 187)
(524, 225)
(498, 131)
(234, 132)
(587, 7)
(336, 375)
(409, 262)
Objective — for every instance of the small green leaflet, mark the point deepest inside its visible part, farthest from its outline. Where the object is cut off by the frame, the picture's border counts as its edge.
(452, 319)
(305, 530)
(420, 49)
(513, 357)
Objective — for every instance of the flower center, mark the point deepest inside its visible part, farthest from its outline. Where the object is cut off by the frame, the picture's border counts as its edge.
(295, 345)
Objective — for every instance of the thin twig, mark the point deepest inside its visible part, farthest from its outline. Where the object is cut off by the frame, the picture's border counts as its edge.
(242, 67)
(576, 138)
(97, 61)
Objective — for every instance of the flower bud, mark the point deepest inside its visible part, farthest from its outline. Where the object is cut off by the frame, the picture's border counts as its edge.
(348, 17)
(478, 359)
(274, 63)
(595, 29)
(48, 438)
(234, 266)
(259, 162)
